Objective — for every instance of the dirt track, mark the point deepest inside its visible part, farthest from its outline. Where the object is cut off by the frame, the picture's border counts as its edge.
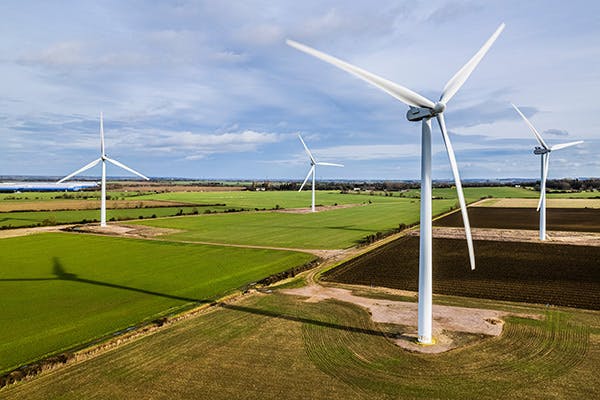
(532, 203)
(8, 233)
(153, 233)
(518, 235)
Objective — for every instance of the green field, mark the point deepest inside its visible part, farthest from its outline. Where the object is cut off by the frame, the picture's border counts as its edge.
(49, 196)
(339, 228)
(277, 346)
(60, 290)
(17, 219)
(269, 199)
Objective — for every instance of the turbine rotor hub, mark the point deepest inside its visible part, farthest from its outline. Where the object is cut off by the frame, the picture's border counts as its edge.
(439, 107)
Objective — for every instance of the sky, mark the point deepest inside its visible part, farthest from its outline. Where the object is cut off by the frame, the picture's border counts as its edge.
(209, 89)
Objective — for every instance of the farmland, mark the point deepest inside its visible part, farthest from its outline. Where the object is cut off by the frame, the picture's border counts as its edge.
(332, 229)
(60, 290)
(78, 209)
(268, 345)
(17, 219)
(270, 199)
(527, 272)
(58, 208)
(557, 219)
(82, 288)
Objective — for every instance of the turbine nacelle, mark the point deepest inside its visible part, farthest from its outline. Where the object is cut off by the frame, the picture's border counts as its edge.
(415, 114)
(540, 150)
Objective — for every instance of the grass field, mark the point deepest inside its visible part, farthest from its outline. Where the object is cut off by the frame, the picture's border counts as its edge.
(49, 196)
(339, 228)
(37, 218)
(60, 290)
(269, 199)
(275, 346)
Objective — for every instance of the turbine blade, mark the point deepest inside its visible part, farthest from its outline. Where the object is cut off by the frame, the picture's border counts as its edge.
(565, 145)
(80, 170)
(543, 182)
(456, 82)
(330, 164)
(530, 125)
(312, 159)
(399, 92)
(310, 171)
(102, 152)
(459, 190)
(118, 164)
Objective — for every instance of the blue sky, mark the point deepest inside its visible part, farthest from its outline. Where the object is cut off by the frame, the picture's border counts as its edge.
(210, 90)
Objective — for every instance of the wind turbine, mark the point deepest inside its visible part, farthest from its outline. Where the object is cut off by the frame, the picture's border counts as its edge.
(312, 171)
(103, 158)
(544, 153)
(422, 109)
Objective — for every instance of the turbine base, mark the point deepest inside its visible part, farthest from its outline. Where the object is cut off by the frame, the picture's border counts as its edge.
(423, 341)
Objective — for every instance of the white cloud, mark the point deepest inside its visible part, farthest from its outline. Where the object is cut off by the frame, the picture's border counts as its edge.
(58, 54)
(78, 54)
(367, 152)
(192, 146)
(260, 34)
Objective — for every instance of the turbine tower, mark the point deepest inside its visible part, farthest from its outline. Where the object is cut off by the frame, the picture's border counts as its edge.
(422, 109)
(313, 170)
(103, 158)
(543, 150)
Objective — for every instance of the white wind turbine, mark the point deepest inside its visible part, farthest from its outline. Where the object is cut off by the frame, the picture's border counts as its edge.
(103, 158)
(544, 153)
(422, 109)
(312, 171)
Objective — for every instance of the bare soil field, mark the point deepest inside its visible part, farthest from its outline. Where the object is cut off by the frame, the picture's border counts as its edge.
(557, 219)
(525, 272)
(58, 205)
(532, 203)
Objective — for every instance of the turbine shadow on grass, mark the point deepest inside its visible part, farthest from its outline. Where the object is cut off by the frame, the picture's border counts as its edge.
(62, 275)
(294, 318)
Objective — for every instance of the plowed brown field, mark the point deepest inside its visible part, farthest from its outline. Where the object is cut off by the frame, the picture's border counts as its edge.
(525, 272)
(557, 219)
